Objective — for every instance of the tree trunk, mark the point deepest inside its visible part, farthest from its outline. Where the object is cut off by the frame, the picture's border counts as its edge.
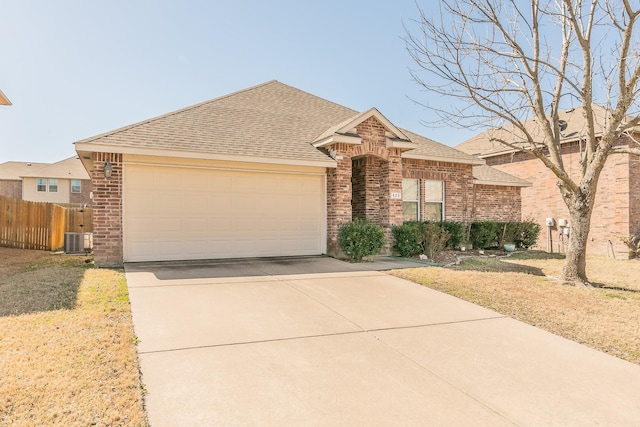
(576, 262)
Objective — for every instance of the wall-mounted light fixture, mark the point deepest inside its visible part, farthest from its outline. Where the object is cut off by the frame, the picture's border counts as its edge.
(108, 168)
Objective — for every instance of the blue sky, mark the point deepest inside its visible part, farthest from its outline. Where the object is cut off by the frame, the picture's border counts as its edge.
(74, 69)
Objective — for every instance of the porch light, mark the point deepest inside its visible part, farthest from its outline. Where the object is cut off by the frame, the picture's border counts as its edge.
(108, 168)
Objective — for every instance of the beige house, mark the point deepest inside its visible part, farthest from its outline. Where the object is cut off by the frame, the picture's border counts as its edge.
(64, 182)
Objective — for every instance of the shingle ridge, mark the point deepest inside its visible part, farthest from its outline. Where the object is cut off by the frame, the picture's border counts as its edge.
(173, 113)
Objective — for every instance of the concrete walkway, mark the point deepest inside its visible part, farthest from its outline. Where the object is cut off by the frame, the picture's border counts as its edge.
(318, 342)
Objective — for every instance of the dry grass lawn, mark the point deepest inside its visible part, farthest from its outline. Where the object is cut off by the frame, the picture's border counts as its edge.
(526, 288)
(67, 348)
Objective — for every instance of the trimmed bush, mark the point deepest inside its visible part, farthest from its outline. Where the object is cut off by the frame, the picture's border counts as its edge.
(524, 234)
(484, 234)
(529, 232)
(361, 238)
(406, 239)
(456, 233)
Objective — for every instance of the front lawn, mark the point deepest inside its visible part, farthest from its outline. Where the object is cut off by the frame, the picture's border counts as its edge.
(526, 287)
(67, 347)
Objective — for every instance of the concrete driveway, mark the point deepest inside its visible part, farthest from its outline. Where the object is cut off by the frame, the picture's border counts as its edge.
(318, 342)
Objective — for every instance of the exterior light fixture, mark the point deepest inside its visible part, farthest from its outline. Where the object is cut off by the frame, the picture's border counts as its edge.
(108, 168)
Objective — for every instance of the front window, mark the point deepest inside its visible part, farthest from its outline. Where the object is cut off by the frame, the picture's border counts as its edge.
(433, 200)
(53, 185)
(41, 185)
(410, 199)
(76, 186)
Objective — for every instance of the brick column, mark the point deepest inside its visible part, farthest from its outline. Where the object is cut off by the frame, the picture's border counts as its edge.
(338, 198)
(390, 182)
(107, 211)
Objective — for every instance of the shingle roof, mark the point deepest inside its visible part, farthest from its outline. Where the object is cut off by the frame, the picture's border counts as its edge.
(270, 120)
(482, 144)
(70, 168)
(437, 151)
(16, 170)
(483, 174)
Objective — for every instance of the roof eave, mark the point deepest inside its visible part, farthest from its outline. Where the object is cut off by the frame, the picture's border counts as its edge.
(410, 155)
(84, 149)
(338, 138)
(402, 144)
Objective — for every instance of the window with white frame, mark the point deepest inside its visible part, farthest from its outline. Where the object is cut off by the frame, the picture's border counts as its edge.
(410, 199)
(41, 185)
(53, 185)
(76, 186)
(433, 201)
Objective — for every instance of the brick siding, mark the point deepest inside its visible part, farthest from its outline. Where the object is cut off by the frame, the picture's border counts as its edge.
(11, 188)
(107, 211)
(497, 203)
(458, 185)
(634, 195)
(84, 197)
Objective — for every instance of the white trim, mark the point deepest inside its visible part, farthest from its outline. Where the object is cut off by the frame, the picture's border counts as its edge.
(46, 186)
(444, 196)
(71, 186)
(222, 168)
(417, 201)
(103, 148)
(325, 230)
(402, 144)
(338, 138)
(442, 159)
(373, 112)
(57, 185)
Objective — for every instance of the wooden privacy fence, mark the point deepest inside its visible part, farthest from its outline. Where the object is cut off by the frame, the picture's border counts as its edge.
(39, 225)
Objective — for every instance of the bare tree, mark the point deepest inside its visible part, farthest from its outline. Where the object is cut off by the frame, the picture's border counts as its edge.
(506, 61)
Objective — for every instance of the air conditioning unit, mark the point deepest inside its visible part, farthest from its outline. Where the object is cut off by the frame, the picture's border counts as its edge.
(78, 243)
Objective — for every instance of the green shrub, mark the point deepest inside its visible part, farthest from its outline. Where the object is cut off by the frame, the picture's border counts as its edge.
(434, 238)
(406, 239)
(528, 234)
(523, 233)
(456, 233)
(361, 238)
(484, 234)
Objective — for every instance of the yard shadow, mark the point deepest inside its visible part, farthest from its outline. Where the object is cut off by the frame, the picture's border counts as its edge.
(495, 265)
(42, 286)
(250, 267)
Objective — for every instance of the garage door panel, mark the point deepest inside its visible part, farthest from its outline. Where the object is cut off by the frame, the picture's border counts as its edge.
(183, 213)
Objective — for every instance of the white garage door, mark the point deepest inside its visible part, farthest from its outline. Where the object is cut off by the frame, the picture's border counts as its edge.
(176, 213)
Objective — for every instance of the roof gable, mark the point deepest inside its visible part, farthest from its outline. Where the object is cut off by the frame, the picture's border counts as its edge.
(70, 168)
(16, 170)
(348, 127)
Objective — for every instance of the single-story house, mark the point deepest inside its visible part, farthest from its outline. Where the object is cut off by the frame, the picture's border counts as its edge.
(273, 171)
(63, 182)
(616, 212)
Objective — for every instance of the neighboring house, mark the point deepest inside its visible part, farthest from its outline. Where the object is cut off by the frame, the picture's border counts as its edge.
(616, 212)
(11, 177)
(273, 171)
(64, 182)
